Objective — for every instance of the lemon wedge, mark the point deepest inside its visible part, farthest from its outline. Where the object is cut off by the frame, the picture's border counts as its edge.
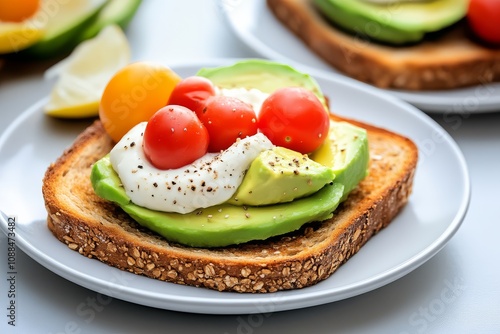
(83, 75)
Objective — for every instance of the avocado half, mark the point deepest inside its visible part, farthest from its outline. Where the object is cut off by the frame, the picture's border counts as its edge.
(393, 22)
(223, 224)
(228, 224)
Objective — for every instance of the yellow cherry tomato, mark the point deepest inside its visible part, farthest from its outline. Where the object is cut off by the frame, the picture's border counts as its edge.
(133, 95)
(18, 10)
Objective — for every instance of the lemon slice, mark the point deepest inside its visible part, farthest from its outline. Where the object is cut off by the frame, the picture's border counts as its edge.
(83, 76)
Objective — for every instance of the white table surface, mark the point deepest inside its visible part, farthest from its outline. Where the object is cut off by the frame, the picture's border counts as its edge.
(457, 291)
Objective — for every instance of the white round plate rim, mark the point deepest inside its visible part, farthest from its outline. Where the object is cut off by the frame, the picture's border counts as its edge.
(55, 256)
(242, 16)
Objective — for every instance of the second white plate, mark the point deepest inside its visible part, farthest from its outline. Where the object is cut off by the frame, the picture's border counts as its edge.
(254, 23)
(434, 213)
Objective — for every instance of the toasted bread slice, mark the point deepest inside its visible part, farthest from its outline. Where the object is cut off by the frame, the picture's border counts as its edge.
(451, 60)
(99, 229)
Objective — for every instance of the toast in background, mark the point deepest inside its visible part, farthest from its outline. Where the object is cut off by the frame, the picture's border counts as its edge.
(449, 61)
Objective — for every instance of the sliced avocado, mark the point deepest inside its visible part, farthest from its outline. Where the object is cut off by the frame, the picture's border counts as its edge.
(393, 22)
(105, 181)
(264, 75)
(281, 175)
(118, 12)
(346, 153)
(220, 225)
(65, 20)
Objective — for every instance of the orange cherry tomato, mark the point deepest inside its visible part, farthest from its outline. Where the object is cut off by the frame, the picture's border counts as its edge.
(133, 95)
(18, 10)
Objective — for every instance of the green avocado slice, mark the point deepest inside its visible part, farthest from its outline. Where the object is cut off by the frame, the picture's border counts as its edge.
(66, 21)
(75, 21)
(220, 225)
(119, 12)
(281, 175)
(265, 75)
(393, 22)
(346, 153)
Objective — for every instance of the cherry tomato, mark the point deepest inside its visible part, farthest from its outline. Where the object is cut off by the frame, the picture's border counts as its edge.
(18, 11)
(227, 118)
(174, 137)
(133, 95)
(484, 19)
(192, 92)
(294, 118)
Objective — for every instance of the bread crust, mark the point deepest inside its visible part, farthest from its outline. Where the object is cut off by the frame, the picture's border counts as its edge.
(99, 229)
(452, 60)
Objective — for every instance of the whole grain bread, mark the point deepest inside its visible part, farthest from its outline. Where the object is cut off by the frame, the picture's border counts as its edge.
(451, 60)
(99, 229)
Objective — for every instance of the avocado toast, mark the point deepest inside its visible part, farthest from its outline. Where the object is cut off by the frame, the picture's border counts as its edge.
(285, 242)
(444, 57)
(99, 229)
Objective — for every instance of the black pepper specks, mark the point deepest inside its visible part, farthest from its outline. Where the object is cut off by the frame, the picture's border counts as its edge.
(182, 190)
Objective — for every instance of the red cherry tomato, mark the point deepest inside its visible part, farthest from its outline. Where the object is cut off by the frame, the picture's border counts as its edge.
(484, 19)
(174, 137)
(227, 118)
(293, 117)
(192, 93)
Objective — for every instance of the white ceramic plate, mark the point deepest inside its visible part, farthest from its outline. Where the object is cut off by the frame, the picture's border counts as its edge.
(259, 29)
(433, 215)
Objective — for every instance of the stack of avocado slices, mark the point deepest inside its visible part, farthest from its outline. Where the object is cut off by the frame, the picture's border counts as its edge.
(325, 177)
(391, 21)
